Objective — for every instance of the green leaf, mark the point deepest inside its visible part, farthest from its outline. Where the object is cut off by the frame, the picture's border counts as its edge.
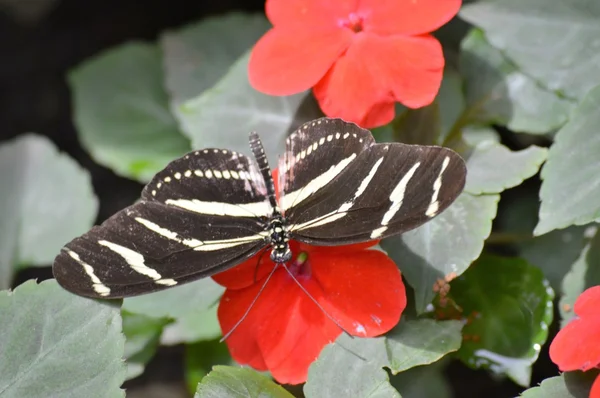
(567, 385)
(584, 273)
(56, 344)
(517, 225)
(429, 252)
(567, 31)
(142, 335)
(199, 55)
(223, 116)
(200, 359)
(423, 382)
(497, 92)
(178, 301)
(571, 182)
(230, 382)
(41, 188)
(450, 101)
(341, 372)
(492, 167)
(353, 367)
(122, 112)
(421, 342)
(509, 306)
(193, 326)
(475, 135)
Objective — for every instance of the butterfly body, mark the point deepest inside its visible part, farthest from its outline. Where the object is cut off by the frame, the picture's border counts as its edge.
(214, 208)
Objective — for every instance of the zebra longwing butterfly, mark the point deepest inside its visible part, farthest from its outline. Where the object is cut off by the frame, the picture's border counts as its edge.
(214, 208)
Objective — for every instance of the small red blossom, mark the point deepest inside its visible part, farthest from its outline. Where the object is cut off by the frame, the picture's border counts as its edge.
(359, 56)
(577, 345)
(285, 330)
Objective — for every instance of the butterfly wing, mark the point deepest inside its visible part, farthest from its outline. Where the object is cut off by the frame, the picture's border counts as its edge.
(202, 214)
(362, 190)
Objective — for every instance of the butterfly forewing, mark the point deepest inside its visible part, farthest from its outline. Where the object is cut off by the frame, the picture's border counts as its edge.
(201, 215)
(315, 153)
(212, 175)
(385, 190)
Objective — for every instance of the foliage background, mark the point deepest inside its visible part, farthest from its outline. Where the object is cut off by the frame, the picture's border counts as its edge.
(45, 40)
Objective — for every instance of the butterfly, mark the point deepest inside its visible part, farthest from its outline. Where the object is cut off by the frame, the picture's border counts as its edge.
(214, 208)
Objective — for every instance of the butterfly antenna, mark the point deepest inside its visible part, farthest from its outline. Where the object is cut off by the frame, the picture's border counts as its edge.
(315, 301)
(262, 288)
(258, 264)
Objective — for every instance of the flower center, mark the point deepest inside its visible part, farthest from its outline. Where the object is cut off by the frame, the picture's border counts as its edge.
(354, 22)
(300, 267)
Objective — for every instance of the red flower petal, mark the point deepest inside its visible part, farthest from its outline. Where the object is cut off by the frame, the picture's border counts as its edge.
(577, 345)
(287, 60)
(252, 271)
(362, 290)
(406, 17)
(285, 328)
(312, 13)
(595, 392)
(247, 273)
(587, 303)
(378, 70)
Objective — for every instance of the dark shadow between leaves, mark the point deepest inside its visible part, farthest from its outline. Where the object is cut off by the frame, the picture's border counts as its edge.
(486, 92)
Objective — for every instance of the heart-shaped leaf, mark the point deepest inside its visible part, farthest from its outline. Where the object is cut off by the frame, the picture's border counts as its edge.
(197, 56)
(192, 327)
(497, 92)
(122, 111)
(41, 188)
(223, 116)
(178, 301)
(341, 372)
(56, 344)
(230, 382)
(353, 366)
(566, 31)
(571, 184)
(492, 167)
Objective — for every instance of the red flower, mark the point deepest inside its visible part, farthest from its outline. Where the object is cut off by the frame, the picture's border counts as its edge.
(360, 56)
(285, 330)
(577, 345)
(595, 392)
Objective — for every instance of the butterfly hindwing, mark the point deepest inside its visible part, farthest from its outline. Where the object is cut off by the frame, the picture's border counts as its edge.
(204, 213)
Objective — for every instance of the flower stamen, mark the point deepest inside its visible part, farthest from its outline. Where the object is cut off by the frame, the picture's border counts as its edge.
(354, 23)
(300, 267)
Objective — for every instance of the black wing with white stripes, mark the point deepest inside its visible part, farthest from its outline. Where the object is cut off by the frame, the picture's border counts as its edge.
(338, 186)
(213, 208)
(202, 214)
